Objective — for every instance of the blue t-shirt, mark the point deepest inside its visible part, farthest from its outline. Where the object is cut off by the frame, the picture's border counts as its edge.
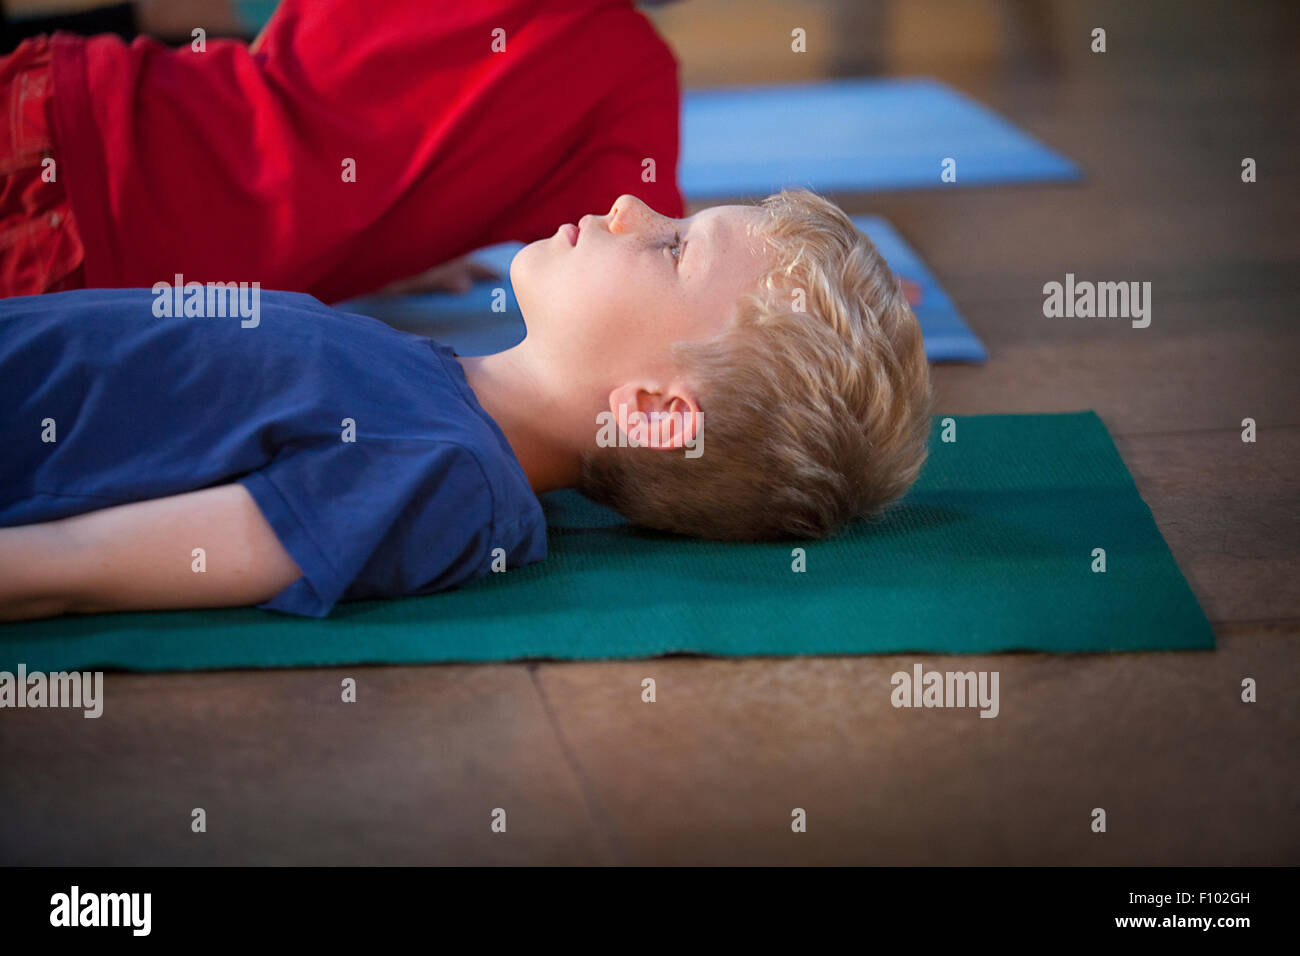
(143, 407)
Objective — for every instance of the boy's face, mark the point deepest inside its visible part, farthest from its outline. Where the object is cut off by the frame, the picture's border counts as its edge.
(605, 300)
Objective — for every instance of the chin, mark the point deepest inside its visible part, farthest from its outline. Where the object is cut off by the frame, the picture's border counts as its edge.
(523, 269)
(528, 277)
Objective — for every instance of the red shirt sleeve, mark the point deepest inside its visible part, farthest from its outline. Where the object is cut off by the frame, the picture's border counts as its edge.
(227, 165)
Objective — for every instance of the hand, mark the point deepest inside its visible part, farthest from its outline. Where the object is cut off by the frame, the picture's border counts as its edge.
(458, 275)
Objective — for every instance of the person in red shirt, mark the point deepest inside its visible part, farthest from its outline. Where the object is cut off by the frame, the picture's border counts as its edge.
(351, 145)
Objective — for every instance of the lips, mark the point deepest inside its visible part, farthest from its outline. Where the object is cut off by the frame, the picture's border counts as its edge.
(570, 232)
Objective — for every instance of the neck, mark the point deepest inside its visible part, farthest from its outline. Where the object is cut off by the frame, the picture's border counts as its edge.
(508, 390)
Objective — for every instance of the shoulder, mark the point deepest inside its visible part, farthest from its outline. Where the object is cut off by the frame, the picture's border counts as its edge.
(479, 446)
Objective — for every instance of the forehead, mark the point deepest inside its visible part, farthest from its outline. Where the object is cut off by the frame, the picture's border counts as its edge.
(729, 236)
(735, 224)
(732, 261)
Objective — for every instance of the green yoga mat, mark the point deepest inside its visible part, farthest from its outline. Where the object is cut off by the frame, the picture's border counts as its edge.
(992, 550)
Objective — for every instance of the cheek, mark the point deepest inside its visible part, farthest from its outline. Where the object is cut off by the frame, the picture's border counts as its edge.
(618, 302)
(596, 300)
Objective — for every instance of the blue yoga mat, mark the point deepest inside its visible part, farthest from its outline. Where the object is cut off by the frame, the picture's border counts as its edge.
(947, 336)
(855, 135)
(466, 322)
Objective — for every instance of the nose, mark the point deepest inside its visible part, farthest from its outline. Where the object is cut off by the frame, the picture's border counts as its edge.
(629, 214)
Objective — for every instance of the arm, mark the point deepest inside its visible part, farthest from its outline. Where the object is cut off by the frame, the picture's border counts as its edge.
(139, 557)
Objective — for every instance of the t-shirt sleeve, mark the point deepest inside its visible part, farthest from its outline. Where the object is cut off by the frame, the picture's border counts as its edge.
(378, 519)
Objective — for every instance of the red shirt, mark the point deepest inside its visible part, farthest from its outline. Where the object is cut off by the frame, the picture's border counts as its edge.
(228, 165)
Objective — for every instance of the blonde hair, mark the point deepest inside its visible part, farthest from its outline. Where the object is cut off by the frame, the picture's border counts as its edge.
(812, 417)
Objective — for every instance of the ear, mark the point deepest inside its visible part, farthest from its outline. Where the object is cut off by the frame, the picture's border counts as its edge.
(655, 416)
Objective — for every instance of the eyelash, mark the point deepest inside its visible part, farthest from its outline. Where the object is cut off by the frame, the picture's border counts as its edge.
(677, 244)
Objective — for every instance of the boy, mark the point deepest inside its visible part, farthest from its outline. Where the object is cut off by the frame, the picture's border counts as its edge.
(311, 456)
(353, 144)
